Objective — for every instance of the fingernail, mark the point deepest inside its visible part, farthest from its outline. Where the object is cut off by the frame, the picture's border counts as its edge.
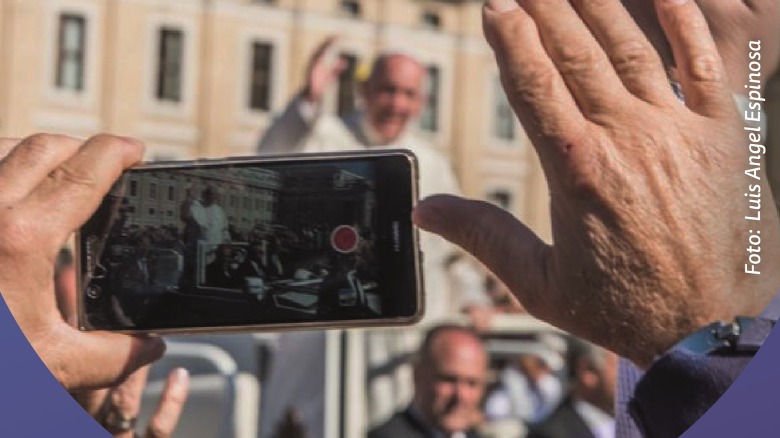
(181, 375)
(427, 215)
(502, 5)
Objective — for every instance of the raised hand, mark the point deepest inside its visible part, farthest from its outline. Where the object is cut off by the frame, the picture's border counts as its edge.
(323, 71)
(647, 194)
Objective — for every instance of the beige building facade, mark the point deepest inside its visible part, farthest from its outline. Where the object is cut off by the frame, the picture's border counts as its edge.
(204, 78)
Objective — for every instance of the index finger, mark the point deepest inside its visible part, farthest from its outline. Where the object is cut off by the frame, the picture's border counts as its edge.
(322, 49)
(30, 160)
(6, 144)
(74, 190)
(533, 85)
(172, 401)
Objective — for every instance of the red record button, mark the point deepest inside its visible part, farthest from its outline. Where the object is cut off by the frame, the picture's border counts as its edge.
(344, 239)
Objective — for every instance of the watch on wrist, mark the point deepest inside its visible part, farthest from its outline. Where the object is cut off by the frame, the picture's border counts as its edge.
(721, 338)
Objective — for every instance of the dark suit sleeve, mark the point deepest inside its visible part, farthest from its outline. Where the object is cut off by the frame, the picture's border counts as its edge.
(563, 422)
(536, 434)
(679, 388)
(399, 425)
(286, 133)
(375, 433)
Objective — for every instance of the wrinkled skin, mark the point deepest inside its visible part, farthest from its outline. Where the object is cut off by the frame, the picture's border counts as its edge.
(49, 186)
(125, 398)
(733, 23)
(646, 193)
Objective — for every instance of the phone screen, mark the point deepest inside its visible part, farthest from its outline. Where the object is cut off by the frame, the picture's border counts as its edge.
(314, 241)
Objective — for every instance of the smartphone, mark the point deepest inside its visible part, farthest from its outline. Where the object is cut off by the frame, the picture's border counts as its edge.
(261, 243)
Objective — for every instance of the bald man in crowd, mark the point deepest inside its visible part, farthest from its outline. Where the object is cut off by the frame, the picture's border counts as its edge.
(449, 381)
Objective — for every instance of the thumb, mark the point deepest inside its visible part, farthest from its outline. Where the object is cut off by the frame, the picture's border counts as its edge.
(103, 359)
(491, 234)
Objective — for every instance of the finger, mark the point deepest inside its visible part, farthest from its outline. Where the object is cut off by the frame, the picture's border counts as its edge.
(125, 399)
(576, 54)
(535, 89)
(31, 161)
(73, 191)
(172, 401)
(326, 44)
(339, 67)
(6, 144)
(492, 235)
(701, 71)
(91, 401)
(102, 359)
(632, 56)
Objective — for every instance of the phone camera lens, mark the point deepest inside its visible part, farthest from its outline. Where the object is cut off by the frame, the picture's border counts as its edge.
(94, 292)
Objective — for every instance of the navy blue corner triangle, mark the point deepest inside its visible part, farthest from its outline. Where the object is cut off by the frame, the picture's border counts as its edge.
(749, 407)
(32, 403)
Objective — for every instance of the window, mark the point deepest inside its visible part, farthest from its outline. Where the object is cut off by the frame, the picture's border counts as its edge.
(346, 95)
(153, 191)
(502, 198)
(169, 69)
(429, 119)
(171, 193)
(71, 51)
(260, 77)
(431, 20)
(350, 8)
(504, 118)
(133, 188)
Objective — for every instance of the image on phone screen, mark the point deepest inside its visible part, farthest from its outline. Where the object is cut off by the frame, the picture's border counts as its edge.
(307, 241)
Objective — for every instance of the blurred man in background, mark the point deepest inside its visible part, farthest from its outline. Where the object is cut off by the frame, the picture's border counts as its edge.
(588, 410)
(449, 380)
(391, 99)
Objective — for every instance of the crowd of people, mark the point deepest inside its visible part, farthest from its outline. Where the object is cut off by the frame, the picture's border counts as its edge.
(452, 376)
(645, 201)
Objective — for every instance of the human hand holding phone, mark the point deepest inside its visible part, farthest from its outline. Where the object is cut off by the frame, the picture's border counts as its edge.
(312, 241)
(50, 185)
